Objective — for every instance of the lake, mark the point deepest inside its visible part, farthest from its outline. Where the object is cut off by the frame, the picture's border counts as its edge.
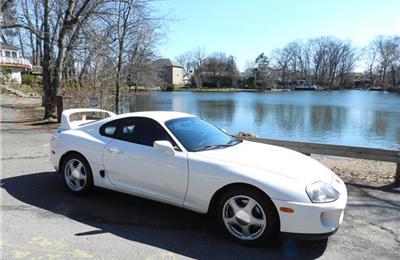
(347, 117)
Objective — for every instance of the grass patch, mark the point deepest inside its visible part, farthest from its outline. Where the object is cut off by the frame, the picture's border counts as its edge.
(25, 90)
(38, 109)
(28, 89)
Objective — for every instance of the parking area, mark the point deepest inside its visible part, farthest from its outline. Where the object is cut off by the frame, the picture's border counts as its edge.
(40, 220)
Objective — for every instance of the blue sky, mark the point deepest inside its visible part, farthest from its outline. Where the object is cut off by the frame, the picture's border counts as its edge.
(245, 29)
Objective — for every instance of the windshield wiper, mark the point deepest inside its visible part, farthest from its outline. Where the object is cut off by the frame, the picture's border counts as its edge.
(234, 141)
(210, 147)
(216, 146)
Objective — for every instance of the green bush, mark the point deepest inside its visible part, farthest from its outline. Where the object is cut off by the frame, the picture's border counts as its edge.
(28, 79)
(168, 87)
(5, 75)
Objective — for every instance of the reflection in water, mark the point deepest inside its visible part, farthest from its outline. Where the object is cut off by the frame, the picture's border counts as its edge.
(327, 118)
(380, 124)
(260, 113)
(216, 110)
(398, 138)
(359, 118)
(289, 117)
(128, 104)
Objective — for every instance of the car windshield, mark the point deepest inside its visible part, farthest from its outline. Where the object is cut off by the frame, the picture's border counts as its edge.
(198, 135)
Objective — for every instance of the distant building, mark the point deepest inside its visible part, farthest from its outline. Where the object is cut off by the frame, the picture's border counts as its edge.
(12, 61)
(169, 71)
(187, 78)
(360, 79)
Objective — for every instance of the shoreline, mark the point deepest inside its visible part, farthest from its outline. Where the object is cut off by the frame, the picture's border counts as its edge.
(227, 90)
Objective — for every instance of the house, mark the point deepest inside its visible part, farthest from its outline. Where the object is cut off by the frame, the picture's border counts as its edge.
(169, 71)
(360, 79)
(12, 62)
(187, 78)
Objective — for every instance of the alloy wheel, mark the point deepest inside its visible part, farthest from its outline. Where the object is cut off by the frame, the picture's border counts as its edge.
(75, 175)
(244, 217)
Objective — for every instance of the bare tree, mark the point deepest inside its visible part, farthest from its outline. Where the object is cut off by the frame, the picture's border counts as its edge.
(232, 71)
(382, 55)
(61, 27)
(55, 32)
(134, 32)
(186, 60)
(282, 59)
(325, 60)
(199, 56)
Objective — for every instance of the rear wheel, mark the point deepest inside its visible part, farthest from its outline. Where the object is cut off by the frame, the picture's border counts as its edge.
(248, 216)
(77, 174)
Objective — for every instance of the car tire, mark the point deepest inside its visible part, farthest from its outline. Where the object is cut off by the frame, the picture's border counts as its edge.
(77, 174)
(248, 216)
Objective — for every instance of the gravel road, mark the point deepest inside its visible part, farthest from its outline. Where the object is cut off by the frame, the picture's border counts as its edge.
(40, 220)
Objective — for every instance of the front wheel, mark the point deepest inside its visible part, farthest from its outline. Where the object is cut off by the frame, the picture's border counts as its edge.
(248, 216)
(77, 174)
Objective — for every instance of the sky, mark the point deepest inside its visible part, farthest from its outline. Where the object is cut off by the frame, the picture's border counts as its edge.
(245, 29)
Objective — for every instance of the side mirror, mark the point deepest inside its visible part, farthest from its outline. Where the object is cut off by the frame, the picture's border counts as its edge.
(164, 146)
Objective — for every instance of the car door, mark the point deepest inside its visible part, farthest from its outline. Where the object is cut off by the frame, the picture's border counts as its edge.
(132, 163)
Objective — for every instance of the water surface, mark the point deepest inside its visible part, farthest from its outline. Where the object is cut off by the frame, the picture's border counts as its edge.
(347, 117)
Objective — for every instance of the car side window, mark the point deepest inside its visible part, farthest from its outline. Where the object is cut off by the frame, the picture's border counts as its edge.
(109, 129)
(143, 131)
(128, 129)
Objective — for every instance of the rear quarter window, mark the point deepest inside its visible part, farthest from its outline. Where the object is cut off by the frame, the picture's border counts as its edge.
(109, 129)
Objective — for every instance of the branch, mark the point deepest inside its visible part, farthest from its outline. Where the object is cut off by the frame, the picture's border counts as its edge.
(74, 20)
(26, 27)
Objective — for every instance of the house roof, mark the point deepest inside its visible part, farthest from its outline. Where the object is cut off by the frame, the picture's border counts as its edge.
(167, 63)
(8, 46)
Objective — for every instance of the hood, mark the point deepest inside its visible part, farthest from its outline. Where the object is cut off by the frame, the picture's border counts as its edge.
(274, 159)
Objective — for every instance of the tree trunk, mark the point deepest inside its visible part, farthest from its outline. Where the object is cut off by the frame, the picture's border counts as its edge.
(49, 102)
(21, 43)
(37, 50)
(118, 81)
(393, 71)
(33, 48)
(58, 69)
(384, 77)
(58, 76)
(199, 83)
(117, 86)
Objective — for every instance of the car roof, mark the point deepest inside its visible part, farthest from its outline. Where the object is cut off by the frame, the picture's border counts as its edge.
(160, 116)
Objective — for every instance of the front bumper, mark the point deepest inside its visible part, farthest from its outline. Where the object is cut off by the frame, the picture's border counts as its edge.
(315, 219)
(300, 236)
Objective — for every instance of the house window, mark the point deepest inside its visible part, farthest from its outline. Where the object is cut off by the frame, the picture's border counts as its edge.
(1, 53)
(14, 54)
(8, 54)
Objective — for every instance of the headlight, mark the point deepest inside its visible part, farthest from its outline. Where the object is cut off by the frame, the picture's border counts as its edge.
(321, 192)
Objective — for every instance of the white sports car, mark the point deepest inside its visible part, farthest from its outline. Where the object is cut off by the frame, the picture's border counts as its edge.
(256, 191)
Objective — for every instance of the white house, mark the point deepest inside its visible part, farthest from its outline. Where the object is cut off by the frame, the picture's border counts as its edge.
(12, 61)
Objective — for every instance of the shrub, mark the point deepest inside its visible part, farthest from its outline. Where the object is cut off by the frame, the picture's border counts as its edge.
(5, 75)
(28, 79)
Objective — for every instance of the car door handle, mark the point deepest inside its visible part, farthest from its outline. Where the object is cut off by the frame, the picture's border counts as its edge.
(114, 151)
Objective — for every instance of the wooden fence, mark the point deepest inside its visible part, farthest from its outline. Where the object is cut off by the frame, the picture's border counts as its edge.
(338, 150)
